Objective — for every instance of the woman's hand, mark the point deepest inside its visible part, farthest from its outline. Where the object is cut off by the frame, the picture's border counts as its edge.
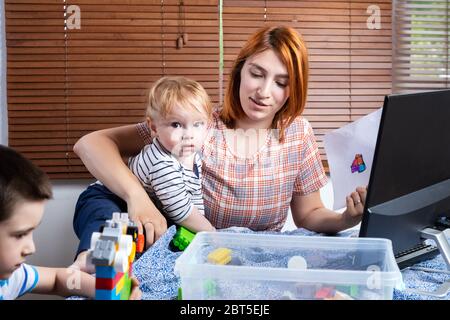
(147, 217)
(355, 207)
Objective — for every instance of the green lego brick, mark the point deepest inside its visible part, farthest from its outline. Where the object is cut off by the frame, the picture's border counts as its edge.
(351, 290)
(210, 288)
(126, 290)
(183, 237)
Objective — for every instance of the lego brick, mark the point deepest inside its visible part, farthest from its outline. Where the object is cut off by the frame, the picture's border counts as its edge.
(183, 238)
(133, 253)
(130, 270)
(103, 253)
(106, 272)
(120, 284)
(125, 244)
(121, 263)
(140, 243)
(220, 256)
(126, 290)
(133, 232)
(106, 295)
(115, 216)
(325, 292)
(108, 283)
(112, 234)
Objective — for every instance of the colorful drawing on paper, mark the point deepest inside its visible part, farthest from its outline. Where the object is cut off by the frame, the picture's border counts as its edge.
(358, 164)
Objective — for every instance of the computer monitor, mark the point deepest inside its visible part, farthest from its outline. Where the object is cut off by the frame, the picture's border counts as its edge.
(408, 198)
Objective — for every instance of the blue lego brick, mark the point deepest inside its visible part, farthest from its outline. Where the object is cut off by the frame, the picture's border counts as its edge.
(105, 272)
(107, 294)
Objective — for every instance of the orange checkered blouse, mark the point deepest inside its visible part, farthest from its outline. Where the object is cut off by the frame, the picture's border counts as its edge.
(255, 192)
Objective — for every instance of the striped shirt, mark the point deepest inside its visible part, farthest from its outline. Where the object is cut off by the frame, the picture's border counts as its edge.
(256, 192)
(174, 189)
(22, 281)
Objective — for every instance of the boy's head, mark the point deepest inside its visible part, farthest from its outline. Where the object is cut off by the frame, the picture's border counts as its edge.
(23, 191)
(178, 112)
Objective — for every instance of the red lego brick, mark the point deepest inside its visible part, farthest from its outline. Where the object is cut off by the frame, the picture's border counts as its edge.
(107, 284)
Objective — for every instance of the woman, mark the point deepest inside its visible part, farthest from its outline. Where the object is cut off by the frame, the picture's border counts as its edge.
(260, 159)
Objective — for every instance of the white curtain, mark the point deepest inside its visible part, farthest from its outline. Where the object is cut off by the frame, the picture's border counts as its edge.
(3, 107)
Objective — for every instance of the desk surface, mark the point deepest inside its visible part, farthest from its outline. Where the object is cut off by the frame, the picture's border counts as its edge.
(158, 281)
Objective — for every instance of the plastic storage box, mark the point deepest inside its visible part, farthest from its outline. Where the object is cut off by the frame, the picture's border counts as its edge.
(231, 266)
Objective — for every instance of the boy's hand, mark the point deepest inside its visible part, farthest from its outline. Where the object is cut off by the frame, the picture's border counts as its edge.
(355, 207)
(136, 293)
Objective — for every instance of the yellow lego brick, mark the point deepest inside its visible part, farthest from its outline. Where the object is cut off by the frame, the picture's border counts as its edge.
(133, 253)
(220, 256)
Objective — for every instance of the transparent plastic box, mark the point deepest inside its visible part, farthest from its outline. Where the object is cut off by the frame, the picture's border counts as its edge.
(266, 266)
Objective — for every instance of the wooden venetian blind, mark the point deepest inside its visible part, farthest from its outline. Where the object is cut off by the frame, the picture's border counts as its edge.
(64, 83)
(421, 46)
(350, 65)
(37, 114)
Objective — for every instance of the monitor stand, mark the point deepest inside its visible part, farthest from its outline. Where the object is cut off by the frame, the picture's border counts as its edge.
(440, 237)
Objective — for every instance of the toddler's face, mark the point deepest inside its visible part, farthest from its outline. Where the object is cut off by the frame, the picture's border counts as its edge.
(16, 235)
(181, 132)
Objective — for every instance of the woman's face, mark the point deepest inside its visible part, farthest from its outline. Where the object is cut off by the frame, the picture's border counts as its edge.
(264, 88)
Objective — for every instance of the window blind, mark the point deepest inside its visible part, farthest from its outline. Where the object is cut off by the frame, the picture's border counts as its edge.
(421, 45)
(63, 83)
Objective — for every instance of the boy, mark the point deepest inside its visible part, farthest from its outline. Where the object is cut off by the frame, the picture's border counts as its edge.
(24, 189)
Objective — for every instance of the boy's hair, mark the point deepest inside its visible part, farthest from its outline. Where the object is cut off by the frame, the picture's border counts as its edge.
(176, 90)
(20, 180)
(291, 49)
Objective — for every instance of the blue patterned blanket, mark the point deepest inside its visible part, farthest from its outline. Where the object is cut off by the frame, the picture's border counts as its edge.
(155, 270)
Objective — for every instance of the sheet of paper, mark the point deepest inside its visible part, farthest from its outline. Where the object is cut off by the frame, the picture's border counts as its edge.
(350, 152)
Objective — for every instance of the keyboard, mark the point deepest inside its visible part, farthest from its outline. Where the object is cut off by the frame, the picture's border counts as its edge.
(416, 254)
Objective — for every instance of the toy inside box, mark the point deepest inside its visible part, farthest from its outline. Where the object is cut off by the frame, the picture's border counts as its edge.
(229, 266)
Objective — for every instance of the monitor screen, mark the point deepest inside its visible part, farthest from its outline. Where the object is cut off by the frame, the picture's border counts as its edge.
(409, 187)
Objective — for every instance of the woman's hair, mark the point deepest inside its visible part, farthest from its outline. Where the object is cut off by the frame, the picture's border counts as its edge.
(169, 92)
(20, 180)
(291, 49)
